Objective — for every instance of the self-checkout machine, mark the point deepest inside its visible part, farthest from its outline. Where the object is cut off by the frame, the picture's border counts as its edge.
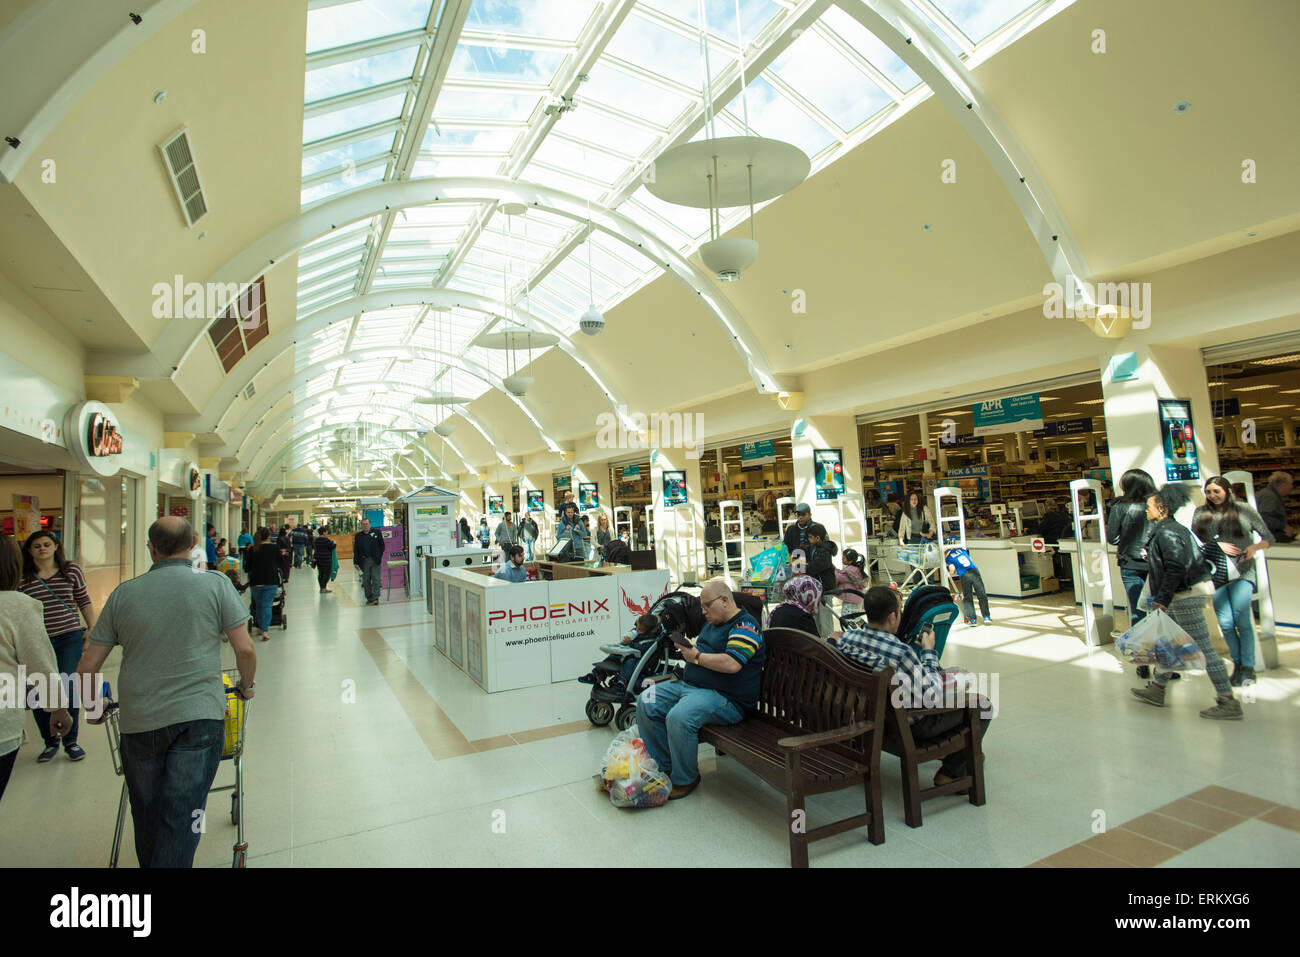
(731, 519)
(1094, 564)
(952, 528)
(430, 533)
(1266, 633)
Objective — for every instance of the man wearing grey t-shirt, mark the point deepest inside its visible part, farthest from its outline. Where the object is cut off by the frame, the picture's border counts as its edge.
(169, 622)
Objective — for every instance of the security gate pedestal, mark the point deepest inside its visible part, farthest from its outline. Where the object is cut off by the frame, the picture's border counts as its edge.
(1097, 628)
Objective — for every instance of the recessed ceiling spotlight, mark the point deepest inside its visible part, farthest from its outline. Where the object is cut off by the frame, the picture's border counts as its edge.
(1182, 107)
(159, 97)
(925, 226)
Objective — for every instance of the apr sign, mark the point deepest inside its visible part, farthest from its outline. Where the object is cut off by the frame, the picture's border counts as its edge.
(1017, 413)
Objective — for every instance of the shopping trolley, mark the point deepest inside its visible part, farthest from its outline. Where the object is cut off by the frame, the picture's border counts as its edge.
(232, 750)
(910, 566)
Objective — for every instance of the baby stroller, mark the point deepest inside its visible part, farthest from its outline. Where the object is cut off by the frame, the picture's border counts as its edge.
(678, 611)
(277, 610)
(927, 605)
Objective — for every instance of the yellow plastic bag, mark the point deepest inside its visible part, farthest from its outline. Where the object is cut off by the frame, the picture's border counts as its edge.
(234, 718)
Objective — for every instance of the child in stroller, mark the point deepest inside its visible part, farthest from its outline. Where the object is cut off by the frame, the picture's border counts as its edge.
(616, 670)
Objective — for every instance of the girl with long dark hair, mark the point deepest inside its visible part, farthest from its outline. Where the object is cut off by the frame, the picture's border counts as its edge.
(60, 587)
(264, 577)
(916, 521)
(1226, 527)
(1179, 579)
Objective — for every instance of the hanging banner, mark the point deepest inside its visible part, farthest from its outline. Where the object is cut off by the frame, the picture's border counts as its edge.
(674, 489)
(758, 453)
(535, 500)
(588, 497)
(1178, 439)
(630, 473)
(562, 481)
(1017, 413)
(27, 516)
(828, 473)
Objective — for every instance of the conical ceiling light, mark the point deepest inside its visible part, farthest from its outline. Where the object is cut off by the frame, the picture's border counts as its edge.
(517, 384)
(445, 429)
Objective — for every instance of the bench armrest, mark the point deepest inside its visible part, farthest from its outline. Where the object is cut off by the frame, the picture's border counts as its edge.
(803, 742)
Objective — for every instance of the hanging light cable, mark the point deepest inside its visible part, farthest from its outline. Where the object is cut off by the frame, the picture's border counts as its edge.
(592, 321)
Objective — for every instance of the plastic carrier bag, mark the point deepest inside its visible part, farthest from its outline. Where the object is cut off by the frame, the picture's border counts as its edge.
(1157, 640)
(630, 775)
(764, 566)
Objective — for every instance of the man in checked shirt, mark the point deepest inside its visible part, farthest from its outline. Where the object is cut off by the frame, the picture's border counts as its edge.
(917, 675)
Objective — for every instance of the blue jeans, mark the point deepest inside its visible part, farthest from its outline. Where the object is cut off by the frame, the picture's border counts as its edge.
(263, 598)
(669, 716)
(1133, 581)
(1232, 608)
(67, 652)
(528, 550)
(168, 774)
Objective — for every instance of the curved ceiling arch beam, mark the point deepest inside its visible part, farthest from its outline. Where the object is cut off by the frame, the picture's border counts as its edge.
(49, 61)
(398, 472)
(269, 399)
(179, 338)
(422, 418)
(916, 44)
(406, 418)
(278, 343)
(269, 459)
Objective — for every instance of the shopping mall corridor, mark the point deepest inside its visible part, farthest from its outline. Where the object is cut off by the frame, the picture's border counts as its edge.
(366, 748)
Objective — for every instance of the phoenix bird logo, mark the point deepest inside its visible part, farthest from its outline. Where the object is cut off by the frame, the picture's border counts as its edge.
(643, 608)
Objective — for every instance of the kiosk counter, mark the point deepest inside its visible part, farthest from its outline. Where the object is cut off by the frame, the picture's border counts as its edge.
(506, 636)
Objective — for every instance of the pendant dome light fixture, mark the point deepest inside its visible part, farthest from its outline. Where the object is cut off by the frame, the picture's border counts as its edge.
(717, 173)
(592, 322)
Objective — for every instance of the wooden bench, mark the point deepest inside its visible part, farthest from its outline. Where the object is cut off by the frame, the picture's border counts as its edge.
(817, 728)
(965, 737)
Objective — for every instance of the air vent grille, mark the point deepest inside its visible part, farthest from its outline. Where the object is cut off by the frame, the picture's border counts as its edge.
(250, 391)
(184, 175)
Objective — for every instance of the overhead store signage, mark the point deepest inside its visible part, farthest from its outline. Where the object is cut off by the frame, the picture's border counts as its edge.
(1016, 413)
(968, 471)
(562, 481)
(1179, 440)
(194, 480)
(1223, 408)
(1067, 427)
(879, 451)
(95, 438)
(828, 472)
(236, 497)
(758, 453)
(630, 472)
(962, 441)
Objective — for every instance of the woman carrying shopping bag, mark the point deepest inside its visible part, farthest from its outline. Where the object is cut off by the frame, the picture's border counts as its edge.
(1226, 527)
(1178, 577)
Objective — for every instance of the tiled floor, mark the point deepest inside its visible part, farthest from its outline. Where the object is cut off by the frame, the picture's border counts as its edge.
(366, 747)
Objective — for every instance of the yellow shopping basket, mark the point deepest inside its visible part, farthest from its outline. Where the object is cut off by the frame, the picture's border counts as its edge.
(235, 706)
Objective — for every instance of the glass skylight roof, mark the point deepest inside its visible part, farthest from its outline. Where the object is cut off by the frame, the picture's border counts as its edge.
(824, 90)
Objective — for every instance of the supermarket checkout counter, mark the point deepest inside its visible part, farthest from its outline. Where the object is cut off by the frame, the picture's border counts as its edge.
(1009, 566)
(506, 635)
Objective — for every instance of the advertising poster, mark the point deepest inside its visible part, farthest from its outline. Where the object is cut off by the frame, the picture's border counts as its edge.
(894, 488)
(439, 614)
(1016, 413)
(536, 502)
(588, 497)
(455, 645)
(473, 636)
(27, 515)
(828, 473)
(1179, 440)
(496, 505)
(674, 489)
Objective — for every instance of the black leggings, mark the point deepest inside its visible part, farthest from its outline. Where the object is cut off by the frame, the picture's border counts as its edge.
(6, 767)
(323, 573)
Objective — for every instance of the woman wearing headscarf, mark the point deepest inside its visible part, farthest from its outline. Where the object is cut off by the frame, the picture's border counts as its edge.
(803, 597)
(1179, 580)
